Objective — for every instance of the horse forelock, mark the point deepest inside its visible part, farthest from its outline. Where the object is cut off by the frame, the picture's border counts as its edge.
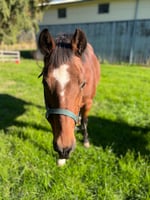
(59, 56)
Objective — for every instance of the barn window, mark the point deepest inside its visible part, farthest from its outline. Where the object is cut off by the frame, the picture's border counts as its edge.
(103, 8)
(62, 13)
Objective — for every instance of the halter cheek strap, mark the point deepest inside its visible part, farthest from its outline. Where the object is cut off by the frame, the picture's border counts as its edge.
(60, 111)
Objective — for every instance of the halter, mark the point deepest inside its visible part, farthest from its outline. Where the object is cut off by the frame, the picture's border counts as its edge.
(60, 111)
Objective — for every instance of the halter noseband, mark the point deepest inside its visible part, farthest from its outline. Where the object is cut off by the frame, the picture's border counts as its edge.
(60, 111)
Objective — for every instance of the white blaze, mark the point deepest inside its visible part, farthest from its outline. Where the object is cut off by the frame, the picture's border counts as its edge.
(62, 76)
(61, 162)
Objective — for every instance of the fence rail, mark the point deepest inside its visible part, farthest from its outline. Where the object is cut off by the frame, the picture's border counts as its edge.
(9, 56)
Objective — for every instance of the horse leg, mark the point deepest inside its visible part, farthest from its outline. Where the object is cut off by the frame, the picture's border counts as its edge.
(84, 122)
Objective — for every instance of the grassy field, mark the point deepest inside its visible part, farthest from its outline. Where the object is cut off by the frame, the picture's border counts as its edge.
(115, 167)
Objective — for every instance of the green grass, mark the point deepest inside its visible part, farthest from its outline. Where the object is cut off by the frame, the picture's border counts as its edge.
(115, 167)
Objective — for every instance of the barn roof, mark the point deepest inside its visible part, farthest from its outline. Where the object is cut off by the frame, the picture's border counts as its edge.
(57, 2)
(54, 2)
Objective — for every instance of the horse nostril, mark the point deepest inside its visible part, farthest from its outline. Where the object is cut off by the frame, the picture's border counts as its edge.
(66, 152)
(63, 152)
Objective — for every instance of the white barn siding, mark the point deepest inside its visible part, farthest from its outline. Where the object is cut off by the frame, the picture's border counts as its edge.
(83, 13)
(144, 9)
(122, 10)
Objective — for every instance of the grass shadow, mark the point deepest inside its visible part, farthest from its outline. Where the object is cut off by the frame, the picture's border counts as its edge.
(119, 135)
(11, 108)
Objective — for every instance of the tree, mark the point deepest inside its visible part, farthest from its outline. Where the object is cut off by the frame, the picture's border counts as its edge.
(17, 16)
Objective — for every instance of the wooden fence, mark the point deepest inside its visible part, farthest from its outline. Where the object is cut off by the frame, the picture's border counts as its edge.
(10, 56)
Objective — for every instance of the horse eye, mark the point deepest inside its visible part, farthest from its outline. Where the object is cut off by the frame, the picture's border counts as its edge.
(82, 84)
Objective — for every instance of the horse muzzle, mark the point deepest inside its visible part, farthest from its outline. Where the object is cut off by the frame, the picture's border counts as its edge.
(63, 152)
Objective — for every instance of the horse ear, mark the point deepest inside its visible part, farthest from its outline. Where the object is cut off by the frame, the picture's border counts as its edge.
(79, 42)
(46, 42)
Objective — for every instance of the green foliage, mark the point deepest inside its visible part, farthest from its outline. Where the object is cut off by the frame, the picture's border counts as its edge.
(115, 167)
(16, 16)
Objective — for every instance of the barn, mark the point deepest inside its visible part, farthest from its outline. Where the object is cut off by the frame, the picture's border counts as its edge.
(119, 30)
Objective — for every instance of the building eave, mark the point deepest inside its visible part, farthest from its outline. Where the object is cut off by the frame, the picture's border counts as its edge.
(61, 2)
